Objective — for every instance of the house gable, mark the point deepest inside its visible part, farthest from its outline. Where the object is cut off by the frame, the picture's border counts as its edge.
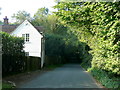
(33, 42)
(27, 27)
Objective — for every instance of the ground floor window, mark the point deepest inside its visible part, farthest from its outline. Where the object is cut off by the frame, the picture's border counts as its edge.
(26, 53)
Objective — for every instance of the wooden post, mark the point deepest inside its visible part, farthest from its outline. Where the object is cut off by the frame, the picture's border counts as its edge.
(42, 51)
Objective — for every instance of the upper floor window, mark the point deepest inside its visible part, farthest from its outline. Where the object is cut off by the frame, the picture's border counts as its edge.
(26, 37)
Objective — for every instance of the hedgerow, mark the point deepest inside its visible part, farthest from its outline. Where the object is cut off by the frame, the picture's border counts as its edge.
(107, 79)
(12, 53)
(98, 25)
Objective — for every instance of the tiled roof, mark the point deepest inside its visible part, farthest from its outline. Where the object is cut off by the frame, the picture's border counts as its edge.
(10, 28)
(39, 28)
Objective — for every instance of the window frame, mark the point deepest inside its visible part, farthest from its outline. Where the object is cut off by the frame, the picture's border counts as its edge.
(26, 37)
(26, 53)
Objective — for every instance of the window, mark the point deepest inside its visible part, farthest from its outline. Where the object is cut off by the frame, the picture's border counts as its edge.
(26, 37)
(23, 35)
(26, 53)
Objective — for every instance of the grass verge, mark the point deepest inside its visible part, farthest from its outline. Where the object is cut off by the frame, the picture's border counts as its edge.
(51, 67)
(107, 79)
(6, 85)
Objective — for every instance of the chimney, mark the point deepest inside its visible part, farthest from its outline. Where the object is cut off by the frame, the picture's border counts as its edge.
(6, 20)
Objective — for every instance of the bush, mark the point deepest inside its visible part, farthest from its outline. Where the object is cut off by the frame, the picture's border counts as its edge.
(105, 78)
(12, 45)
(12, 53)
(54, 49)
(54, 45)
(59, 49)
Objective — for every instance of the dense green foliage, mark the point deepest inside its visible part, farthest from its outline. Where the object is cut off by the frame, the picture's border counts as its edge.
(100, 28)
(107, 79)
(63, 49)
(6, 86)
(11, 45)
(12, 53)
(60, 44)
(50, 23)
(98, 25)
(57, 47)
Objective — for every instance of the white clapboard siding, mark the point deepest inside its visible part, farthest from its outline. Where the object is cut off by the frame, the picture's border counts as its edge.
(34, 44)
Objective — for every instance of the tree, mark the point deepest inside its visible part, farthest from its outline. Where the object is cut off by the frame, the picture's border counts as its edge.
(98, 25)
(20, 16)
(56, 35)
(49, 22)
(41, 12)
(40, 17)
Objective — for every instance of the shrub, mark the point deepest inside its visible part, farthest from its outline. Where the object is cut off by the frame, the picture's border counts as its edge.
(59, 49)
(54, 49)
(12, 53)
(105, 78)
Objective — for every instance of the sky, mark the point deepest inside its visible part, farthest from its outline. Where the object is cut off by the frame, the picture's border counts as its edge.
(9, 7)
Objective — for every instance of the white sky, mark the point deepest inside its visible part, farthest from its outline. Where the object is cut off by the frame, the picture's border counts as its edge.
(31, 6)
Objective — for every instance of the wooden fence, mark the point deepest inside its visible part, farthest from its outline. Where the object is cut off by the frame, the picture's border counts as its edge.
(18, 64)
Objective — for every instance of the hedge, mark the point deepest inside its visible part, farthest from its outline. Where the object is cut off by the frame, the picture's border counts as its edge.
(54, 49)
(60, 49)
(12, 53)
(105, 78)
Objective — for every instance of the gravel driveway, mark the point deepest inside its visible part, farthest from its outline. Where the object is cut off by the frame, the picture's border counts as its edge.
(67, 76)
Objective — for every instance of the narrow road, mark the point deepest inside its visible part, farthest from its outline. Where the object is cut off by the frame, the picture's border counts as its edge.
(67, 76)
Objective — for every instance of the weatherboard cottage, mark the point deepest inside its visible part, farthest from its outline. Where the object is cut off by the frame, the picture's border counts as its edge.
(34, 41)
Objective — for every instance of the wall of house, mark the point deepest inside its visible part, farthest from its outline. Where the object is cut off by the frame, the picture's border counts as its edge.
(34, 44)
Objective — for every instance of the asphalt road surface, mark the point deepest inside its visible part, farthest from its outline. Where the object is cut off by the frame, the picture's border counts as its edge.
(67, 76)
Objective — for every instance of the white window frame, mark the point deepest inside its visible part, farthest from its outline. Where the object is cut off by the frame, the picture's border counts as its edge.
(26, 53)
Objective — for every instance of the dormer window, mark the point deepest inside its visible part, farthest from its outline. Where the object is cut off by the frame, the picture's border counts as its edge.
(26, 37)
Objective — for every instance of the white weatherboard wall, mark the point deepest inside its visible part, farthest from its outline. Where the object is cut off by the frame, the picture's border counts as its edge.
(34, 44)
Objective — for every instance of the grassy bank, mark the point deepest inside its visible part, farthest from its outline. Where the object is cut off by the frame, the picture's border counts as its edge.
(106, 79)
(6, 85)
(51, 67)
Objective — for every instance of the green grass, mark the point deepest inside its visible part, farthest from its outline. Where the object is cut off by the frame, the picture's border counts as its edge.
(50, 67)
(0, 85)
(107, 79)
(6, 85)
